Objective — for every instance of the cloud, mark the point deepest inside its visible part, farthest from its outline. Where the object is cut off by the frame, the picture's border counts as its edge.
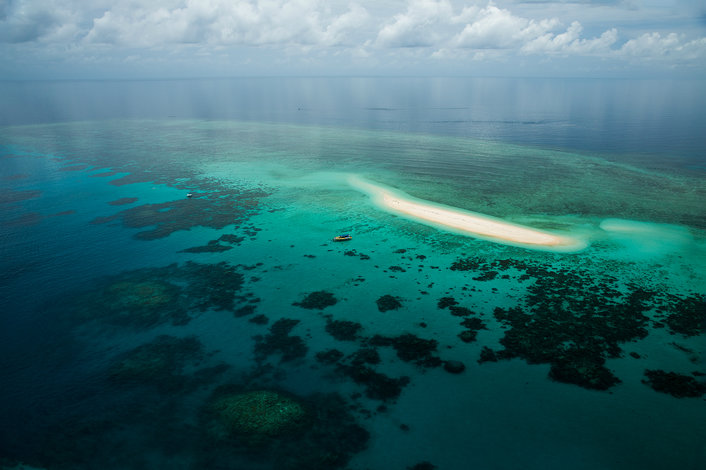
(570, 43)
(657, 47)
(422, 25)
(495, 28)
(22, 22)
(365, 32)
(225, 23)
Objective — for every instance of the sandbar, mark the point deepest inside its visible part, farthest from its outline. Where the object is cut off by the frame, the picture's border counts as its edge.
(462, 221)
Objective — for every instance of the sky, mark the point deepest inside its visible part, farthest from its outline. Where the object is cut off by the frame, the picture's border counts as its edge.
(98, 39)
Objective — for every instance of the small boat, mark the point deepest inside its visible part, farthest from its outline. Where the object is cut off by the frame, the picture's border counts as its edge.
(342, 238)
(189, 195)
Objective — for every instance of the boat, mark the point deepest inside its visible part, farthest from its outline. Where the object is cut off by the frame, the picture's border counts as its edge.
(342, 238)
(189, 195)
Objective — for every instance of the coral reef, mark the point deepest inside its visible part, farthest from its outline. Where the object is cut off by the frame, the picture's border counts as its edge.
(472, 325)
(677, 385)
(329, 356)
(688, 315)
(267, 428)
(388, 302)
(378, 386)
(343, 330)
(487, 355)
(147, 297)
(258, 415)
(411, 348)
(123, 201)
(278, 341)
(218, 209)
(570, 321)
(357, 367)
(215, 246)
(425, 465)
(454, 367)
(161, 362)
(318, 300)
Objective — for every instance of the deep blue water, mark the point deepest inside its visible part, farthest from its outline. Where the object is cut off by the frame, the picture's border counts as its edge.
(658, 119)
(96, 237)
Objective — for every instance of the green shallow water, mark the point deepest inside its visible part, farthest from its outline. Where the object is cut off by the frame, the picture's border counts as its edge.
(645, 235)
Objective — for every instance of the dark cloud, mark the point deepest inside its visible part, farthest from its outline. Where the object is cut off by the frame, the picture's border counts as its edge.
(17, 28)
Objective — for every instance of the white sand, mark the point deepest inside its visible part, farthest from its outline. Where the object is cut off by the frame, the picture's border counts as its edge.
(465, 222)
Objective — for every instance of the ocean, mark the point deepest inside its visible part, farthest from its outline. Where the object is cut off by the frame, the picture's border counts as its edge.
(171, 295)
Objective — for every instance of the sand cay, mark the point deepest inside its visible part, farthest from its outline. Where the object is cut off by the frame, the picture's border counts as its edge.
(464, 222)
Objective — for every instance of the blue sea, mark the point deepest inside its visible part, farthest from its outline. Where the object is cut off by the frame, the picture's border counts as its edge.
(171, 296)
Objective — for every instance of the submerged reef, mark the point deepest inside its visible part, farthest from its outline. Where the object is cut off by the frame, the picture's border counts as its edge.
(687, 315)
(677, 385)
(572, 320)
(343, 330)
(411, 348)
(358, 367)
(123, 201)
(12, 196)
(161, 363)
(425, 465)
(388, 302)
(268, 428)
(279, 341)
(216, 246)
(317, 300)
(258, 415)
(147, 297)
(217, 209)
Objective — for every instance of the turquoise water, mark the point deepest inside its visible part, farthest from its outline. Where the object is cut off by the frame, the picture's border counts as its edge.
(103, 254)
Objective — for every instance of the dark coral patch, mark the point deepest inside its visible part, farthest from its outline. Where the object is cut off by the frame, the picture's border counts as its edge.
(220, 209)
(329, 356)
(688, 315)
(274, 429)
(487, 355)
(425, 465)
(574, 321)
(388, 302)
(147, 297)
(212, 247)
(585, 371)
(279, 341)
(73, 168)
(358, 367)
(472, 325)
(317, 300)
(11, 196)
(123, 201)
(29, 219)
(446, 302)
(161, 363)
(411, 348)
(343, 330)
(259, 320)
(677, 385)
(460, 311)
(378, 386)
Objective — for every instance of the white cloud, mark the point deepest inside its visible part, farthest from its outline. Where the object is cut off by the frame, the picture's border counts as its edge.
(670, 48)
(651, 44)
(422, 25)
(367, 31)
(570, 42)
(226, 23)
(495, 28)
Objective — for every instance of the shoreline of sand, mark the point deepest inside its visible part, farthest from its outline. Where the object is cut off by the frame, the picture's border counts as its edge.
(478, 225)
